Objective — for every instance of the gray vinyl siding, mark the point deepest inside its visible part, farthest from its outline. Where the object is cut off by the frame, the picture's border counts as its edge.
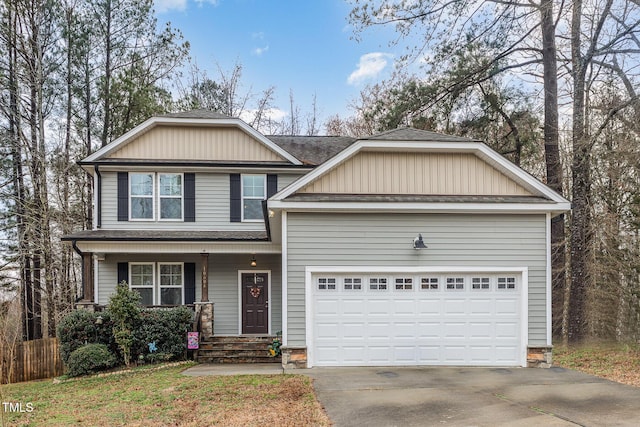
(223, 283)
(342, 239)
(212, 205)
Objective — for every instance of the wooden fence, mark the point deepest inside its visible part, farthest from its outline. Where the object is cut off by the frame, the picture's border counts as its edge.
(31, 360)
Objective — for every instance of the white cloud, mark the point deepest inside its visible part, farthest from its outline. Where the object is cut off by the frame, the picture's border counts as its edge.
(369, 67)
(203, 2)
(167, 5)
(260, 50)
(273, 114)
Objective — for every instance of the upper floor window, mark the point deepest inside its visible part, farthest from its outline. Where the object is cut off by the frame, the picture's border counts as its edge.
(142, 196)
(170, 195)
(254, 191)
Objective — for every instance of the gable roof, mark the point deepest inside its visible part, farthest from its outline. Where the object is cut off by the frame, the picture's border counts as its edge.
(196, 118)
(522, 191)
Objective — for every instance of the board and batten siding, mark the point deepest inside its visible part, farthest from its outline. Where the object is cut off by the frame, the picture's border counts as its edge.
(193, 142)
(383, 240)
(223, 283)
(374, 172)
(212, 205)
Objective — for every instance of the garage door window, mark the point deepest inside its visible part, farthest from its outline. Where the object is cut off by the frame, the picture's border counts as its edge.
(352, 284)
(506, 283)
(429, 283)
(455, 283)
(326, 283)
(378, 283)
(480, 283)
(404, 283)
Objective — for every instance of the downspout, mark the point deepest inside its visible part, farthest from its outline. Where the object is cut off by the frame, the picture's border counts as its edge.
(98, 197)
(74, 244)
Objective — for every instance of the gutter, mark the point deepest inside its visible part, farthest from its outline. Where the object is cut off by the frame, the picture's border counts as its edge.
(98, 197)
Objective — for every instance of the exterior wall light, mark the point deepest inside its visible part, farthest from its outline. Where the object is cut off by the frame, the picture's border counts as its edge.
(418, 243)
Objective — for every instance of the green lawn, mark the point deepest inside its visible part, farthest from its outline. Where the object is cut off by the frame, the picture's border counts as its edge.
(163, 397)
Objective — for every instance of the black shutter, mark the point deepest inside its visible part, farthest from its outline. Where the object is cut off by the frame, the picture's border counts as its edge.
(189, 197)
(123, 272)
(272, 185)
(123, 196)
(189, 282)
(235, 193)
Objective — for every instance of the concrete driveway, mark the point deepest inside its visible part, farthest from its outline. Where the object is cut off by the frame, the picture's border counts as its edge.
(424, 396)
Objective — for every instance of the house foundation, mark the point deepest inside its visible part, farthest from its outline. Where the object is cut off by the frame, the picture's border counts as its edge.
(294, 357)
(539, 357)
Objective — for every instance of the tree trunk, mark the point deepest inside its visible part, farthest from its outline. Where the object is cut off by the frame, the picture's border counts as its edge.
(581, 185)
(553, 163)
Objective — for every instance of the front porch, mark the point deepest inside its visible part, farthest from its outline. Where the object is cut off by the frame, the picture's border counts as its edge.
(236, 297)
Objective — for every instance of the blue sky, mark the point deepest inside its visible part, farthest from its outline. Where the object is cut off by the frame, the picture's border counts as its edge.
(305, 46)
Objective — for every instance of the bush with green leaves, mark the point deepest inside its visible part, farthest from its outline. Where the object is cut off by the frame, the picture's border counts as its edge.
(124, 306)
(81, 327)
(90, 358)
(166, 331)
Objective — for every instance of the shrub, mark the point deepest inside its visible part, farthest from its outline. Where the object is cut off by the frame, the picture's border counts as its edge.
(125, 308)
(79, 328)
(167, 329)
(90, 358)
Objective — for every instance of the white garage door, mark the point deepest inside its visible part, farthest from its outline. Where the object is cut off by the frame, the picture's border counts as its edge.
(471, 319)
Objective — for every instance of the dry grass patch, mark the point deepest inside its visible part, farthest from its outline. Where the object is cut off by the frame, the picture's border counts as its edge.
(615, 362)
(167, 398)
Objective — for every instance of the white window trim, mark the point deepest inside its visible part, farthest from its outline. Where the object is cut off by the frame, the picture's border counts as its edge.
(155, 275)
(152, 197)
(160, 196)
(153, 279)
(264, 181)
(159, 281)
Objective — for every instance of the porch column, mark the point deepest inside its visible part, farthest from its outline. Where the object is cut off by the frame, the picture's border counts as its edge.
(205, 278)
(87, 277)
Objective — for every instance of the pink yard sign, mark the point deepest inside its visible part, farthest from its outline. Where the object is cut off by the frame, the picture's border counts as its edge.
(193, 343)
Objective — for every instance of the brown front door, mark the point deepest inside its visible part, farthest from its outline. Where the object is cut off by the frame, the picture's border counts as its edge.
(255, 303)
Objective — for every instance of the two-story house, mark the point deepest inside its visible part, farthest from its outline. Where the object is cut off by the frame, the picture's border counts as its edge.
(404, 248)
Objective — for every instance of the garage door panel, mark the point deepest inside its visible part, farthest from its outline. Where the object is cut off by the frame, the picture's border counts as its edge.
(326, 330)
(456, 330)
(454, 307)
(481, 355)
(481, 307)
(507, 306)
(353, 331)
(404, 307)
(353, 307)
(378, 307)
(326, 307)
(415, 325)
(483, 330)
(429, 307)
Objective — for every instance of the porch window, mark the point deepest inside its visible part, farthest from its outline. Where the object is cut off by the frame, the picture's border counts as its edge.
(141, 277)
(254, 191)
(170, 196)
(171, 284)
(141, 195)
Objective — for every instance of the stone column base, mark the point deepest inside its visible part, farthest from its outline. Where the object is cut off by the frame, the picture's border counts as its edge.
(539, 357)
(206, 318)
(294, 357)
